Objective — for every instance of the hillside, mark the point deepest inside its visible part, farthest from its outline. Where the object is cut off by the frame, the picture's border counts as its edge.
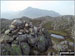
(61, 26)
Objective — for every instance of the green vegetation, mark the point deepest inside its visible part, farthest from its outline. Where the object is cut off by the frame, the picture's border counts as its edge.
(48, 25)
(52, 50)
(70, 39)
(58, 32)
(57, 40)
(16, 50)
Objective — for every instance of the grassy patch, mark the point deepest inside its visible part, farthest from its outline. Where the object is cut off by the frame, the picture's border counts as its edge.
(57, 40)
(70, 39)
(58, 32)
(48, 25)
(52, 50)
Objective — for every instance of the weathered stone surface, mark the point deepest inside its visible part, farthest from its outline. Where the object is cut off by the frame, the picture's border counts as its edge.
(41, 44)
(25, 48)
(22, 37)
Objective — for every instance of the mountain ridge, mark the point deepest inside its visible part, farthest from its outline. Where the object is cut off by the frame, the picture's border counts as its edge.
(32, 13)
(36, 12)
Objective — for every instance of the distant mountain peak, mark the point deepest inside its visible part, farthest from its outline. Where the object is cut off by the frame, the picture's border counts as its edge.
(36, 12)
(28, 7)
(33, 13)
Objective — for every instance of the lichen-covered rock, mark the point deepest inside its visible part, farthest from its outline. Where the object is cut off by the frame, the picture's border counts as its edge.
(31, 40)
(41, 44)
(25, 48)
(7, 38)
(7, 31)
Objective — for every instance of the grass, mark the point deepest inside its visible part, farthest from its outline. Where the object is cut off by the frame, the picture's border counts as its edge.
(70, 39)
(48, 25)
(58, 32)
(62, 33)
(52, 50)
(57, 40)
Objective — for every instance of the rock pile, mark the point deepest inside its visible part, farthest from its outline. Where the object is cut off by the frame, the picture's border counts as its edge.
(23, 38)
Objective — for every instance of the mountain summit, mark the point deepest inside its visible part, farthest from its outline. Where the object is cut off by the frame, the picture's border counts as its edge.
(35, 12)
(32, 13)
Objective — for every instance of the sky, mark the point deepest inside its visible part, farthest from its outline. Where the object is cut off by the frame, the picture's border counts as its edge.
(62, 7)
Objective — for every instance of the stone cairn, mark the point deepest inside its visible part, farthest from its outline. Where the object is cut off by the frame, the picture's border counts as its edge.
(23, 38)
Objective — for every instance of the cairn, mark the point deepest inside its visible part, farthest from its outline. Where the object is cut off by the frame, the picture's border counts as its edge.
(23, 38)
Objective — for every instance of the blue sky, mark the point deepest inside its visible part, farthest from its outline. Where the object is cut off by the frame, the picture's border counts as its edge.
(62, 7)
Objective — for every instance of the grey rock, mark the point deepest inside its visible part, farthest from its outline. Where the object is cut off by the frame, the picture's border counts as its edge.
(21, 37)
(25, 48)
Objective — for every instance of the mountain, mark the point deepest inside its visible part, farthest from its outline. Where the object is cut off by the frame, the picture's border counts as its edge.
(32, 13)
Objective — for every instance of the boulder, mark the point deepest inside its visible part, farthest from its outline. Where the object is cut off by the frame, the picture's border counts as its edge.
(40, 45)
(25, 48)
(22, 37)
